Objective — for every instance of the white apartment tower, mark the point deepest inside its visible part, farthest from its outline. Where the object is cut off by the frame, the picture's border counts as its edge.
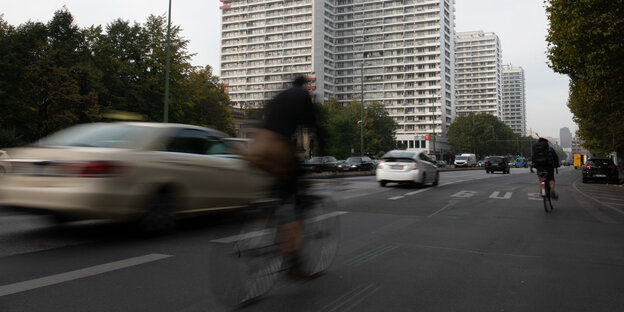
(478, 73)
(403, 50)
(266, 43)
(399, 53)
(514, 102)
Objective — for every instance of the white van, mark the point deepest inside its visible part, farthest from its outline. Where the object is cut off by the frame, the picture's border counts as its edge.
(466, 160)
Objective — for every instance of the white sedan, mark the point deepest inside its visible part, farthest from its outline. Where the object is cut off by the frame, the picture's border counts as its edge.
(152, 172)
(402, 166)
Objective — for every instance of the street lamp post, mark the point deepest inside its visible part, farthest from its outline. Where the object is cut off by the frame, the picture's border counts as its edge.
(434, 133)
(168, 52)
(362, 113)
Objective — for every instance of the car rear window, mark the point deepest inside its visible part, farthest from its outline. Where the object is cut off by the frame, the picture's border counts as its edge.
(97, 135)
(495, 159)
(600, 162)
(398, 157)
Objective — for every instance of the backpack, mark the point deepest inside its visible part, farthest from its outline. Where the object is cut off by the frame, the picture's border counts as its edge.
(542, 156)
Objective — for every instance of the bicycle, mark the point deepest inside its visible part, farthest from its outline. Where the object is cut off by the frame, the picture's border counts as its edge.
(545, 190)
(246, 266)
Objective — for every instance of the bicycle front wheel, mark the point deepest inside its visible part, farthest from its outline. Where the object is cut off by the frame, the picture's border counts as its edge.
(321, 235)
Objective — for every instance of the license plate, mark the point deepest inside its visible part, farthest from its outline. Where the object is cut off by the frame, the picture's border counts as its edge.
(600, 175)
(396, 167)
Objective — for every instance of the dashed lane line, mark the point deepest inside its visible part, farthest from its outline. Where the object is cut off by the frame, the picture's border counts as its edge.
(82, 273)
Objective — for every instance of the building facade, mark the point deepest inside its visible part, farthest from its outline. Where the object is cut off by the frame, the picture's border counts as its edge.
(514, 99)
(399, 53)
(478, 73)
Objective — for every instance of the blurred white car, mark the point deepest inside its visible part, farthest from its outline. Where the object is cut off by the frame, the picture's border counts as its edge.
(407, 166)
(153, 172)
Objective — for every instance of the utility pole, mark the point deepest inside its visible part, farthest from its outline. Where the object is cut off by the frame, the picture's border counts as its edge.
(166, 109)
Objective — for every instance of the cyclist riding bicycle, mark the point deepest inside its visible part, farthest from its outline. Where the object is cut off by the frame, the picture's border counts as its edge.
(274, 151)
(545, 159)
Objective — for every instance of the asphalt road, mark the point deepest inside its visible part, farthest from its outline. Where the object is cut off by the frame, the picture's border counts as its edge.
(476, 242)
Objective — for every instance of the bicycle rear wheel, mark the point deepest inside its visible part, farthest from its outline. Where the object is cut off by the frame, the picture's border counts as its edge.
(248, 264)
(547, 202)
(321, 235)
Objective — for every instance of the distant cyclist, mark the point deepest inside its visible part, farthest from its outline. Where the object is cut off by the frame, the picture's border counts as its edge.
(545, 159)
(274, 151)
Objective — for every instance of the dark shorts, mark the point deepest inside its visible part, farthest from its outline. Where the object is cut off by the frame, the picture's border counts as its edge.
(550, 170)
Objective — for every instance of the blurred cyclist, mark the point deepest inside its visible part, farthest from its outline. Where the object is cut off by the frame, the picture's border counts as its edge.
(274, 151)
(545, 159)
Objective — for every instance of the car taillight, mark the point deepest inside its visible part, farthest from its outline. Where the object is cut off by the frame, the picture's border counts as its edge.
(93, 169)
(415, 166)
(611, 166)
(588, 166)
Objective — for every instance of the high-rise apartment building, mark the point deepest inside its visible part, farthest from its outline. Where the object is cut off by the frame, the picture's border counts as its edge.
(478, 73)
(565, 137)
(514, 99)
(399, 53)
(265, 43)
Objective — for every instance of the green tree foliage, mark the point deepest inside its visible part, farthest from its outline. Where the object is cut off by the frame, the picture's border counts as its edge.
(56, 75)
(343, 130)
(482, 134)
(585, 43)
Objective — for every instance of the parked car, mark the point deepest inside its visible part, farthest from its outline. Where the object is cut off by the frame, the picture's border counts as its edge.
(402, 166)
(151, 172)
(321, 163)
(496, 163)
(600, 169)
(363, 163)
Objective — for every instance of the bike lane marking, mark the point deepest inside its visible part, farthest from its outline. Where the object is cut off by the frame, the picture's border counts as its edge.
(77, 274)
(496, 194)
(574, 184)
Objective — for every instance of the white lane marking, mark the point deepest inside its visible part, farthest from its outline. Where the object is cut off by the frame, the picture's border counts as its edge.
(464, 194)
(495, 195)
(534, 196)
(234, 238)
(395, 197)
(73, 275)
(451, 203)
(416, 192)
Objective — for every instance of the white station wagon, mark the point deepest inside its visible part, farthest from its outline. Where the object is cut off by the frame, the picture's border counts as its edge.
(402, 166)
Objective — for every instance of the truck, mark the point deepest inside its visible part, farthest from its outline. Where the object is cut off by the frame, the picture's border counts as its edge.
(466, 160)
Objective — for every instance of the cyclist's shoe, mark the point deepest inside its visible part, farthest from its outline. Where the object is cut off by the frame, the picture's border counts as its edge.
(554, 195)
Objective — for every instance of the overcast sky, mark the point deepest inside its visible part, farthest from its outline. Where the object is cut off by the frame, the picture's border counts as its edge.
(520, 25)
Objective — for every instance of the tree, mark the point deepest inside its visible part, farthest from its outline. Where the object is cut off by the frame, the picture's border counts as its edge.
(55, 75)
(211, 107)
(343, 130)
(481, 134)
(585, 43)
(379, 130)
